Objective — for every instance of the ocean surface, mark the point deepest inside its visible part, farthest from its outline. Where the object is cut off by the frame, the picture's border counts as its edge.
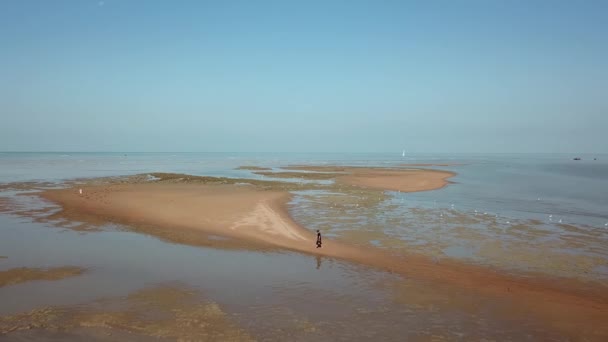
(518, 185)
(549, 210)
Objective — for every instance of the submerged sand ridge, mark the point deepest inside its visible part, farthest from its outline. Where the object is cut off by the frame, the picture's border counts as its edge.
(164, 312)
(184, 207)
(15, 276)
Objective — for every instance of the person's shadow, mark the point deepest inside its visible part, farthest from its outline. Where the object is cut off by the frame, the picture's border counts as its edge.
(318, 261)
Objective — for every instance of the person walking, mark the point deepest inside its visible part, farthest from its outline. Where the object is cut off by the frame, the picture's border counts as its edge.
(319, 241)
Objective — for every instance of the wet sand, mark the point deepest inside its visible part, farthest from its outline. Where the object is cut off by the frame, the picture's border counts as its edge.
(162, 312)
(398, 180)
(256, 215)
(24, 274)
(303, 175)
(395, 179)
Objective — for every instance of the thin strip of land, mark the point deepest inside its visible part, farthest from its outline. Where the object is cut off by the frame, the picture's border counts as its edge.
(394, 179)
(183, 207)
(302, 175)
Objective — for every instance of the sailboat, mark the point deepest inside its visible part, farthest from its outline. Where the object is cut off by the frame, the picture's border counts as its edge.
(403, 153)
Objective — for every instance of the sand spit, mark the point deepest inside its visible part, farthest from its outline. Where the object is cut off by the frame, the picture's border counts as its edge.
(398, 180)
(24, 274)
(395, 179)
(182, 208)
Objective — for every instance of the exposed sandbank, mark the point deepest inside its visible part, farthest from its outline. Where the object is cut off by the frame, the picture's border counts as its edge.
(24, 274)
(395, 179)
(257, 216)
(180, 207)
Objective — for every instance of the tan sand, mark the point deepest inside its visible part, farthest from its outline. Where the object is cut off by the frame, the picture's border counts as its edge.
(24, 274)
(395, 179)
(224, 210)
(252, 215)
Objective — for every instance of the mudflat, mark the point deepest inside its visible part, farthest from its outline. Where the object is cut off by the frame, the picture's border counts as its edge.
(255, 215)
(24, 274)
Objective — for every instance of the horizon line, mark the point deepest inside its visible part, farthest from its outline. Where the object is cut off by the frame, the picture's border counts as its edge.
(302, 152)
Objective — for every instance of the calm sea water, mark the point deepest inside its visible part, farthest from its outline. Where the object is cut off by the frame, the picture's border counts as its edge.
(519, 185)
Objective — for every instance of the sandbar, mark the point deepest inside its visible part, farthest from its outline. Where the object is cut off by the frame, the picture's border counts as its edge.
(394, 179)
(257, 215)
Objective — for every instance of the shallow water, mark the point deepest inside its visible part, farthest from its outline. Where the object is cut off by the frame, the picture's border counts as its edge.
(272, 296)
(498, 207)
(525, 186)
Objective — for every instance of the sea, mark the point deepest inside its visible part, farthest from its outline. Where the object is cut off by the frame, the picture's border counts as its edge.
(521, 213)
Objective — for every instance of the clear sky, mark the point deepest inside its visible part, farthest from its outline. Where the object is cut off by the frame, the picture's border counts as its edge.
(304, 76)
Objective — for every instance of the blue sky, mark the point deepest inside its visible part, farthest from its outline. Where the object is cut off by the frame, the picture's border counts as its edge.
(304, 76)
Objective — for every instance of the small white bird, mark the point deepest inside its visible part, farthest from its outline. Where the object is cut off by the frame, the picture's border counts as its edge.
(606, 224)
(80, 191)
(508, 222)
(560, 220)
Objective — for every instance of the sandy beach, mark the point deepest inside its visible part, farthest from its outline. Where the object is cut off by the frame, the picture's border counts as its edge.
(198, 210)
(394, 179)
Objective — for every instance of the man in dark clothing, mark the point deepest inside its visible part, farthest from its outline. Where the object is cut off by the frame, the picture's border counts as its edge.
(319, 242)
